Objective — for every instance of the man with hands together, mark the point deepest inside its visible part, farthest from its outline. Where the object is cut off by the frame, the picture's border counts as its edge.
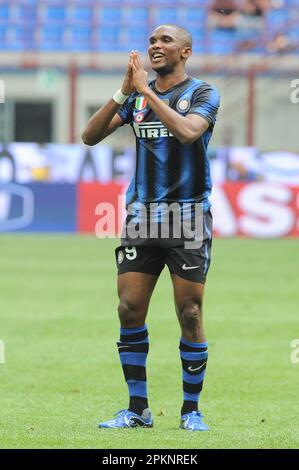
(172, 118)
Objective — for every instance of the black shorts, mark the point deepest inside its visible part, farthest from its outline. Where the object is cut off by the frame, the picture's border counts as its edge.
(189, 263)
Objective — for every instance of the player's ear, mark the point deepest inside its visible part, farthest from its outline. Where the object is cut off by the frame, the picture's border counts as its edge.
(186, 52)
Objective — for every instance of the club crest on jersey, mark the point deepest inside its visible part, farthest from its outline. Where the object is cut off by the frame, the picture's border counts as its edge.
(140, 103)
(183, 105)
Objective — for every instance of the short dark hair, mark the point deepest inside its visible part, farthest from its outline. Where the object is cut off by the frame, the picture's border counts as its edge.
(183, 33)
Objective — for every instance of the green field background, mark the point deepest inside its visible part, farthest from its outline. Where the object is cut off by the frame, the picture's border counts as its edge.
(62, 375)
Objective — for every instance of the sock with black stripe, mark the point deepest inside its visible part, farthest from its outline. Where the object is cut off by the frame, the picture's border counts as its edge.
(194, 358)
(133, 349)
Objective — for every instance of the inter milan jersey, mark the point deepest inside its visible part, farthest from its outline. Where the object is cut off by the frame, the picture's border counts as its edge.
(167, 170)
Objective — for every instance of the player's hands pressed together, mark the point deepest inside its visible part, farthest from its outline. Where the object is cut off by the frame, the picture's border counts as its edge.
(106, 120)
(185, 128)
(139, 74)
(128, 87)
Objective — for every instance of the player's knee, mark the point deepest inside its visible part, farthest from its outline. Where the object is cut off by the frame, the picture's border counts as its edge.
(190, 315)
(129, 314)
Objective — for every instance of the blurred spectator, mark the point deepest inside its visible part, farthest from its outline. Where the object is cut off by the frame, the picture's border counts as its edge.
(251, 9)
(281, 44)
(264, 5)
(252, 27)
(223, 14)
(250, 23)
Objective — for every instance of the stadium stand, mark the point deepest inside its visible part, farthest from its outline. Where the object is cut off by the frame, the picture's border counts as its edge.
(92, 25)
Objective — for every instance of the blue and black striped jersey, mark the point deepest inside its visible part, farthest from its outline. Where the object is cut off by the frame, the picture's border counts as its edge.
(167, 170)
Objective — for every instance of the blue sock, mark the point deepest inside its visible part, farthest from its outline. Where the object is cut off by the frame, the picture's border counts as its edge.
(194, 358)
(133, 349)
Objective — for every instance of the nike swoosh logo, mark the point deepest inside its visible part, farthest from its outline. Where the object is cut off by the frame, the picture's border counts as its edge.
(184, 267)
(197, 368)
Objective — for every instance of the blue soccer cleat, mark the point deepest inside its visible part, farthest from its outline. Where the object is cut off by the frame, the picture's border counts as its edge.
(193, 422)
(128, 419)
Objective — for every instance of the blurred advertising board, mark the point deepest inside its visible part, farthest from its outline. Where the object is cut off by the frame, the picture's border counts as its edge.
(72, 188)
(73, 163)
(100, 204)
(70, 163)
(38, 207)
(255, 209)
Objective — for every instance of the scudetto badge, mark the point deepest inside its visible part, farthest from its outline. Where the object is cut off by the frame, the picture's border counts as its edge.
(183, 105)
(140, 103)
(120, 257)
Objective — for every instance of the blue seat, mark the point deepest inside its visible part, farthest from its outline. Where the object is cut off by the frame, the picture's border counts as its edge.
(257, 49)
(138, 35)
(197, 32)
(26, 13)
(56, 13)
(137, 15)
(52, 37)
(81, 38)
(3, 35)
(82, 13)
(134, 38)
(16, 37)
(293, 33)
(4, 12)
(111, 15)
(18, 41)
(105, 46)
(25, 37)
(186, 4)
(109, 33)
(107, 39)
(162, 2)
(197, 15)
(166, 15)
(277, 18)
(222, 42)
(133, 3)
(219, 49)
(109, 3)
(54, 3)
(196, 29)
(81, 33)
(198, 36)
(199, 47)
(89, 3)
(30, 2)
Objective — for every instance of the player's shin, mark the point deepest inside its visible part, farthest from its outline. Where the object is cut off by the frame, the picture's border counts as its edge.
(194, 358)
(133, 349)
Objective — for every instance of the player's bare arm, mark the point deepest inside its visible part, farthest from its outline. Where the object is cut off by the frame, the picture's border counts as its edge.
(186, 129)
(106, 120)
(102, 123)
(166, 170)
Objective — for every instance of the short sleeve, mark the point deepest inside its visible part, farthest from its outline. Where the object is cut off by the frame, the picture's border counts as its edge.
(205, 102)
(125, 112)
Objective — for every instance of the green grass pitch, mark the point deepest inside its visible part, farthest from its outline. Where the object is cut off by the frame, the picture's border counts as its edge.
(62, 373)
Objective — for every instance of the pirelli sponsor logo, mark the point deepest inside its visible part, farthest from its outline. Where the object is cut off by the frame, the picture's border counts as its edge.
(151, 130)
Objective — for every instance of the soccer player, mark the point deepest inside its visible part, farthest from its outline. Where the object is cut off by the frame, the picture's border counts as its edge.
(173, 118)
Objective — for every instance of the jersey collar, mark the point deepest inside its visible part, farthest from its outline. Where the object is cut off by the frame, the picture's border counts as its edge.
(170, 89)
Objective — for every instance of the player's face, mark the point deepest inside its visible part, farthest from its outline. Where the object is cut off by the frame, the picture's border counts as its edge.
(165, 50)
